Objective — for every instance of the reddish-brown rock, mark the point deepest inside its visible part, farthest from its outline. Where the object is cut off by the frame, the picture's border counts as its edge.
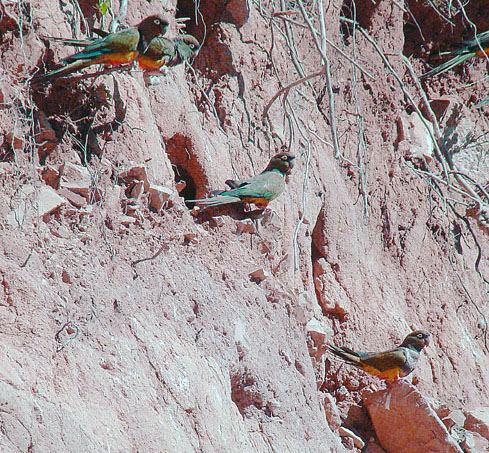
(478, 421)
(404, 422)
(332, 412)
(45, 136)
(159, 196)
(75, 178)
(319, 335)
(357, 441)
(373, 447)
(72, 197)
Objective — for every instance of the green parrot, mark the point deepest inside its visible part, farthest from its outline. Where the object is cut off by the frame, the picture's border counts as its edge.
(114, 49)
(168, 52)
(388, 365)
(159, 52)
(259, 190)
(478, 46)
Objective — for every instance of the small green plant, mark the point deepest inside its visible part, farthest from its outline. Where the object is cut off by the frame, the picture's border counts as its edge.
(103, 6)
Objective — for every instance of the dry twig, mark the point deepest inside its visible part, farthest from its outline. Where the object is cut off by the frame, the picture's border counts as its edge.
(322, 50)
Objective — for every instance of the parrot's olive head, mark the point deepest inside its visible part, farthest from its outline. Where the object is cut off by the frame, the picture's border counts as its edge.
(191, 42)
(153, 26)
(283, 162)
(417, 340)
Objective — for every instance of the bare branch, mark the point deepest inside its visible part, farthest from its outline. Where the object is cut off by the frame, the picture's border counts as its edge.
(286, 90)
(327, 71)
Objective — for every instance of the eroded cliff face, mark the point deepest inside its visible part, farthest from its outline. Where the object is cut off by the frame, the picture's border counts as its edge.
(127, 324)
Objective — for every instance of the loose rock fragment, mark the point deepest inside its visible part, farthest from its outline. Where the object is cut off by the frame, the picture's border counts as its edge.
(137, 189)
(136, 173)
(50, 176)
(75, 178)
(474, 443)
(158, 196)
(415, 137)
(216, 222)
(451, 418)
(441, 105)
(405, 423)
(73, 198)
(319, 335)
(45, 136)
(127, 220)
(331, 411)
(258, 275)
(478, 421)
(14, 141)
(48, 201)
(62, 232)
(480, 212)
(190, 238)
(180, 185)
(357, 441)
(246, 226)
(65, 276)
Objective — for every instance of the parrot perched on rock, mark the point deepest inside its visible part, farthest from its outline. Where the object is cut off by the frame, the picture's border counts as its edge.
(113, 49)
(259, 190)
(478, 46)
(388, 365)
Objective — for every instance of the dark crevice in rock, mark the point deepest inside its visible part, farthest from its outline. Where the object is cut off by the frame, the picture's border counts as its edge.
(90, 10)
(358, 420)
(434, 27)
(214, 27)
(11, 23)
(244, 393)
(75, 116)
(322, 268)
(235, 12)
(186, 167)
(189, 192)
(360, 12)
(416, 43)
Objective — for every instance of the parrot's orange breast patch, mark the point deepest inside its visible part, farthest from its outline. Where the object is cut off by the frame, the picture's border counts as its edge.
(389, 375)
(260, 202)
(117, 58)
(149, 63)
(479, 52)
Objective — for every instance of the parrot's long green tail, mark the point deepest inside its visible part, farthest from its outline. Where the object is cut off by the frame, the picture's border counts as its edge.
(448, 65)
(216, 201)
